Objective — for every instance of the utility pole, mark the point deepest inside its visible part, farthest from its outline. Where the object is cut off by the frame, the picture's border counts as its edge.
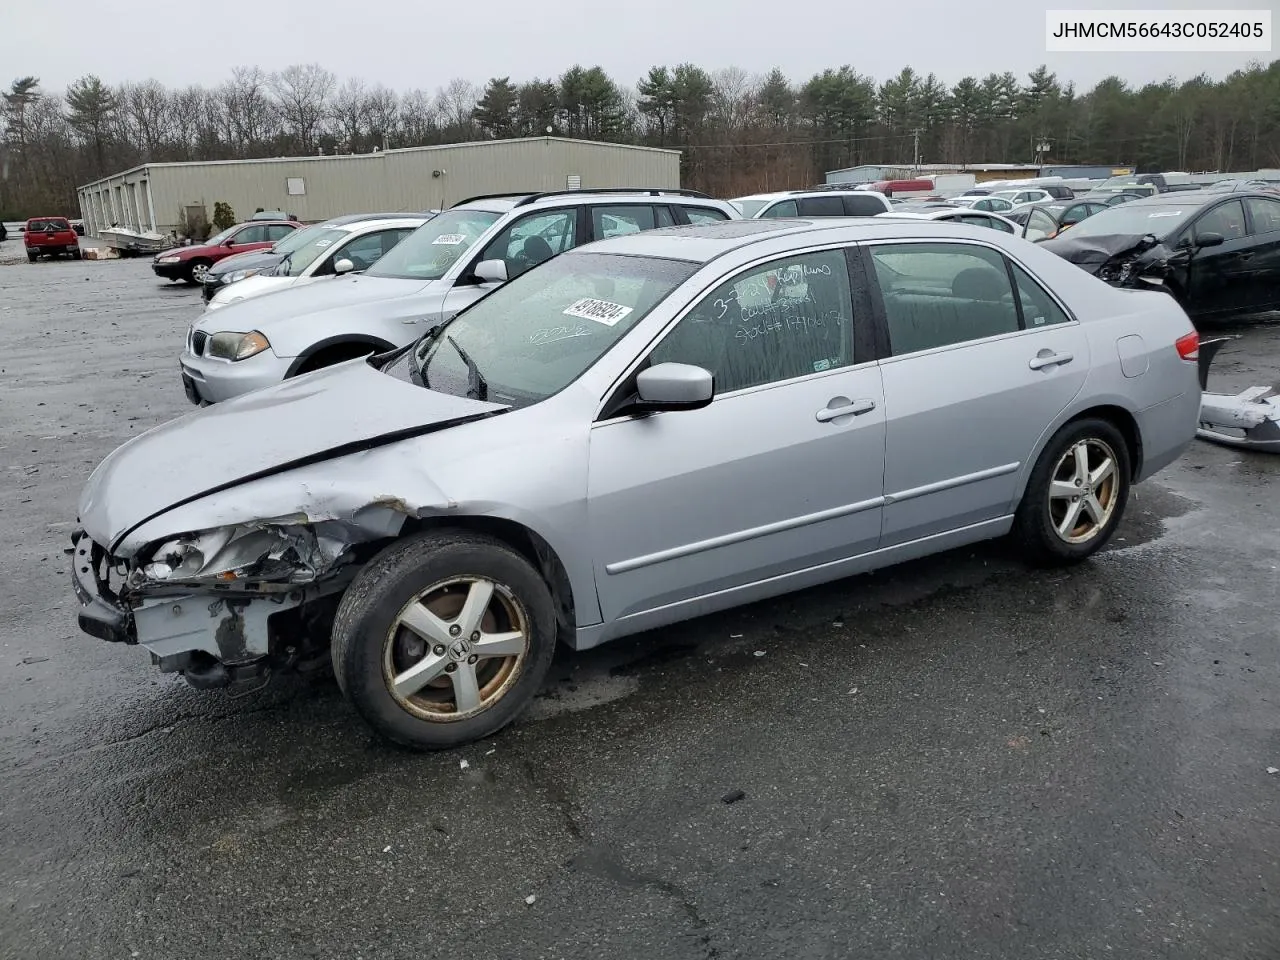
(915, 137)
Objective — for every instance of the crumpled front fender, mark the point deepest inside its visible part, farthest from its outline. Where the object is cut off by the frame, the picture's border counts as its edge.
(362, 496)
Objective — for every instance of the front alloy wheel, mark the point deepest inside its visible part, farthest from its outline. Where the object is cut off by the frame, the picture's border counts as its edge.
(443, 638)
(199, 272)
(456, 649)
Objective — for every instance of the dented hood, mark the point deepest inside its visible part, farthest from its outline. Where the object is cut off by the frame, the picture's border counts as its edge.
(314, 417)
(1091, 253)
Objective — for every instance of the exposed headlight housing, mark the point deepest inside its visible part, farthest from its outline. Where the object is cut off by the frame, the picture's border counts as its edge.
(226, 556)
(230, 345)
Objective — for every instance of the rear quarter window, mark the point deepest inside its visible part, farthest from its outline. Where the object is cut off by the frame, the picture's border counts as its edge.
(821, 207)
(859, 206)
(705, 214)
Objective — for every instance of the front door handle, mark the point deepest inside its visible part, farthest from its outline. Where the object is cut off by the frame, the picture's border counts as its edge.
(1045, 359)
(845, 408)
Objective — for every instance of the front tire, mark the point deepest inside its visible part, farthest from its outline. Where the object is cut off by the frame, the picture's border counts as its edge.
(1076, 495)
(197, 272)
(443, 638)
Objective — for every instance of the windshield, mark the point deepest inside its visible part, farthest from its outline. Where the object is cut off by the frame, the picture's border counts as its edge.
(749, 207)
(297, 239)
(1159, 220)
(428, 252)
(536, 334)
(298, 260)
(218, 238)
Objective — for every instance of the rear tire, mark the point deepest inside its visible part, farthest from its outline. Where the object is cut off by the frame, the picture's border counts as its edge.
(481, 640)
(1076, 494)
(32, 257)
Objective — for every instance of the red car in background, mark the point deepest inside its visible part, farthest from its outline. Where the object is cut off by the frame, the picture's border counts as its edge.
(50, 236)
(192, 263)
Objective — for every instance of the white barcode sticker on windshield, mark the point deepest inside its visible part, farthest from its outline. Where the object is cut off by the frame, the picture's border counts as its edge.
(601, 311)
(323, 243)
(451, 239)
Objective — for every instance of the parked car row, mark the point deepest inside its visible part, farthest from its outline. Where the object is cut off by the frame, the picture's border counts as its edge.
(592, 414)
(451, 261)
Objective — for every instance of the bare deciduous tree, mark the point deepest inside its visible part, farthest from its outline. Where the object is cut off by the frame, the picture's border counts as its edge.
(302, 93)
(349, 117)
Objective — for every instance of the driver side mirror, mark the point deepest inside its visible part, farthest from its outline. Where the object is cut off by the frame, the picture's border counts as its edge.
(672, 386)
(343, 266)
(491, 271)
(1210, 240)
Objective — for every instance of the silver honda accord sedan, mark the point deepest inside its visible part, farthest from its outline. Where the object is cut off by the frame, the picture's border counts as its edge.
(639, 431)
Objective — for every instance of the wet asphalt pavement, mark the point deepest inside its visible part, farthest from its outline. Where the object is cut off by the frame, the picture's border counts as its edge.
(959, 757)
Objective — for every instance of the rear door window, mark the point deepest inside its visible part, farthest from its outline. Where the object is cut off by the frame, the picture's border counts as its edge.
(938, 294)
(620, 220)
(278, 231)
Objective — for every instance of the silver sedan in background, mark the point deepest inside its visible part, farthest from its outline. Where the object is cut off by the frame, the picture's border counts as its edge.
(639, 431)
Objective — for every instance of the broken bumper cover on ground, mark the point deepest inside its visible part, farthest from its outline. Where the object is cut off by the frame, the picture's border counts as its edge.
(1250, 419)
(180, 622)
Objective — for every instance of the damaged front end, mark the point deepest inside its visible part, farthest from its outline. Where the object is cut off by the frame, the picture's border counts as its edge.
(1121, 260)
(1250, 419)
(220, 606)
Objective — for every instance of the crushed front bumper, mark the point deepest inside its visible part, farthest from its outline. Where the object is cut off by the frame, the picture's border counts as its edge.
(102, 615)
(180, 623)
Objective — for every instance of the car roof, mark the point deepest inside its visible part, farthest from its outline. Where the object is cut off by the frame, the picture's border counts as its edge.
(358, 217)
(505, 202)
(705, 242)
(368, 226)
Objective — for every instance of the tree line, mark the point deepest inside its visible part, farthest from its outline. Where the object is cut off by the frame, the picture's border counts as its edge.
(738, 132)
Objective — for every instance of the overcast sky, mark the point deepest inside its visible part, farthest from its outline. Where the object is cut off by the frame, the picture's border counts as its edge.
(420, 43)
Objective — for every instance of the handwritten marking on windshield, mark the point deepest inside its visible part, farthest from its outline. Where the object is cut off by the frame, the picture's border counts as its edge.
(555, 334)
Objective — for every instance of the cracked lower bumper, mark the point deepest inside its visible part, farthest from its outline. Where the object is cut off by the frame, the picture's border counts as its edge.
(231, 628)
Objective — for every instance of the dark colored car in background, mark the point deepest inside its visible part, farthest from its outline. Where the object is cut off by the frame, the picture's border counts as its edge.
(1069, 213)
(1217, 254)
(50, 237)
(192, 263)
(241, 265)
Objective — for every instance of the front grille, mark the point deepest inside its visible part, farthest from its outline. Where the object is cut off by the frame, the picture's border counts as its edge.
(197, 342)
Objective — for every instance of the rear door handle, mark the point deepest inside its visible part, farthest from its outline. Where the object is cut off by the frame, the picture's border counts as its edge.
(852, 408)
(1040, 361)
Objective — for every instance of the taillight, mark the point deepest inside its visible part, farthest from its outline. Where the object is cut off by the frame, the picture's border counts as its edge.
(1188, 346)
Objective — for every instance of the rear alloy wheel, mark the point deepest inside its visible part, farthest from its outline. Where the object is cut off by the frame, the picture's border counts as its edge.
(199, 270)
(443, 639)
(1077, 493)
